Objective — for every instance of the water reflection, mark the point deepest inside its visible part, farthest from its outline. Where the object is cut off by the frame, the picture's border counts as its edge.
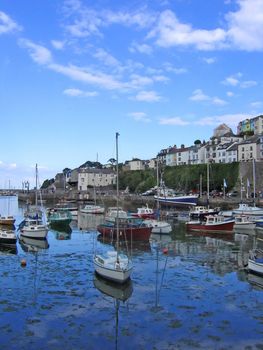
(8, 249)
(33, 245)
(62, 233)
(89, 222)
(118, 294)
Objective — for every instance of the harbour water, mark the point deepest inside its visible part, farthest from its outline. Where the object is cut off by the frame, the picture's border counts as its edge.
(187, 291)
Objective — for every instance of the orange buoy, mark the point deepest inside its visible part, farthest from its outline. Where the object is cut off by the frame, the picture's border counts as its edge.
(23, 262)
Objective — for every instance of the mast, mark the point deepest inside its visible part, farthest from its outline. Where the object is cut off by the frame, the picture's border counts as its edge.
(208, 182)
(36, 185)
(117, 184)
(254, 182)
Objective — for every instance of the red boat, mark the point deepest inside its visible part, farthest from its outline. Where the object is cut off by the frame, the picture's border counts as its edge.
(129, 229)
(212, 223)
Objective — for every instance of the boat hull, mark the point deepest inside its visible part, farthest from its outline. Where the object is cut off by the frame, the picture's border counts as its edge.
(112, 274)
(256, 267)
(219, 227)
(177, 200)
(127, 233)
(34, 232)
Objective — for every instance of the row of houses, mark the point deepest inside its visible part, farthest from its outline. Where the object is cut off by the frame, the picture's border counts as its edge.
(223, 147)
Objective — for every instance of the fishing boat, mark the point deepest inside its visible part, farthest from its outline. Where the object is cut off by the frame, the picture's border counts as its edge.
(199, 212)
(127, 228)
(8, 237)
(144, 213)
(177, 200)
(113, 265)
(59, 218)
(255, 261)
(244, 223)
(92, 209)
(34, 225)
(67, 206)
(211, 223)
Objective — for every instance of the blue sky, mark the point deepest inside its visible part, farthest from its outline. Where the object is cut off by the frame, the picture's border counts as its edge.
(159, 72)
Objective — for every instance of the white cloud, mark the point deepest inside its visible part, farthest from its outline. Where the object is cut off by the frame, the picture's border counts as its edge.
(231, 120)
(170, 32)
(7, 25)
(198, 96)
(57, 44)
(140, 117)
(246, 25)
(79, 93)
(170, 68)
(106, 58)
(235, 80)
(141, 48)
(173, 121)
(148, 96)
(38, 53)
(209, 60)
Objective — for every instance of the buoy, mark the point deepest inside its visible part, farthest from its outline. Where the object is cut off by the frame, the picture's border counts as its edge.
(165, 250)
(23, 262)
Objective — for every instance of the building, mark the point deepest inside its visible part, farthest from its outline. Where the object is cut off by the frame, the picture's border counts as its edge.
(252, 125)
(136, 164)
(91, 177)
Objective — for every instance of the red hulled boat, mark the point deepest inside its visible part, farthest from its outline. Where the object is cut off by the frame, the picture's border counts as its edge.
(212, 223)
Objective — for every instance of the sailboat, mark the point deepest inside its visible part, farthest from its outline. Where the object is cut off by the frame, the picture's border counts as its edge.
(158, 226)
(7, 220)
(34, 225)
(113, 265)
(244, 208)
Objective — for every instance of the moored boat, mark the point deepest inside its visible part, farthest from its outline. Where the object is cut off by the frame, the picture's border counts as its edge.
(255, 261)
(177, 200)
(158, 226)
(8, 220)
(129, 229)
(212, 223)
(92, 209)
(144, 213)
(243, 223)
(8, 237)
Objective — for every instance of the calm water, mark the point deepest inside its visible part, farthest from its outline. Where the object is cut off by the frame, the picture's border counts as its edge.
(198, 296)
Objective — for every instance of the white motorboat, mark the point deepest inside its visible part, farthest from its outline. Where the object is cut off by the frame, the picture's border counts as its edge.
(158, 226)
(8, 237)
(93, 209)
(244, 223)
(255, 261)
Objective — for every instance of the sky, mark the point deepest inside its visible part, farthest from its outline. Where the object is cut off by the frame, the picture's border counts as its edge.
(159, 72)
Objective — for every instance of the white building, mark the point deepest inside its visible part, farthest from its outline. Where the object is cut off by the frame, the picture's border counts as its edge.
(89, 177)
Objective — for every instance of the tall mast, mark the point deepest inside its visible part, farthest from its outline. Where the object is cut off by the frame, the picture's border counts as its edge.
(36, 185)
(117, 183)
(254, 182)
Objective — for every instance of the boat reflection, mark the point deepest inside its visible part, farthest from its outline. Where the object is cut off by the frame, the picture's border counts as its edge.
(135, 248)
(89, 222)
(6, 249)
(120, 292)
(62, 233)
(33, 245)
(255, 280)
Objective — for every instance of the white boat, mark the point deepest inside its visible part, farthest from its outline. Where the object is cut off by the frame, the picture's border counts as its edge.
(144, 213)
(7, 220)
(200, 211)
(93, 209)
(67, 206)
(255, 261)
(112, 213)
(245, 209)
(34, 225)
(158, 226)
(243, 223)
(8, 237)
(113, 265)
